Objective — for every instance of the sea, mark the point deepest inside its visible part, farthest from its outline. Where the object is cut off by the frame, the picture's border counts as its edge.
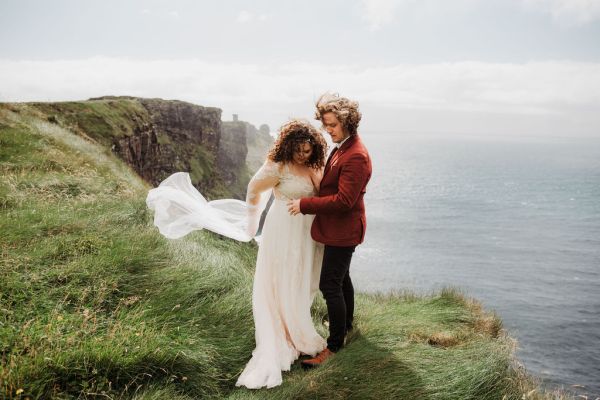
(513, 221)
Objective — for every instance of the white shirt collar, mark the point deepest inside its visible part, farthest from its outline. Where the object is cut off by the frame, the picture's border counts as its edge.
(338, 145)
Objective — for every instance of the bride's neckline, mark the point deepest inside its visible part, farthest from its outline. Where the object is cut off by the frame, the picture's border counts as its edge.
(290, 171)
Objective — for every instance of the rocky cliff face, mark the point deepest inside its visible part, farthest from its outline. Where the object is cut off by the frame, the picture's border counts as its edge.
(179, 136)
(142, 151)
(255, 147)
(259, 142)
(159, 137)
(186, 122)
(232, 149)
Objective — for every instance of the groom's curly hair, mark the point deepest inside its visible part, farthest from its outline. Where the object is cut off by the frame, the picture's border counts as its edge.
(345, 110)
(292, 134)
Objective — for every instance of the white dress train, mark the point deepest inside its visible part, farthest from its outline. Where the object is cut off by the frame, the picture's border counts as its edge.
(288, 264)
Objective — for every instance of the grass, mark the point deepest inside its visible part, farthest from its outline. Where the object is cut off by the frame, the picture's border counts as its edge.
(101, 120)
(94, 303)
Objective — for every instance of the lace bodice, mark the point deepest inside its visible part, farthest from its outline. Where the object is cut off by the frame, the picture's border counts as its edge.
(286, 185)
(293, 186)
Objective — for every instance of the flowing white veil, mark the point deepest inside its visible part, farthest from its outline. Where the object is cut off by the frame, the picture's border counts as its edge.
(179, 208)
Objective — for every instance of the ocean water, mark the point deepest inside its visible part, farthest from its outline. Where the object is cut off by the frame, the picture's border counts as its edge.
(513, 222)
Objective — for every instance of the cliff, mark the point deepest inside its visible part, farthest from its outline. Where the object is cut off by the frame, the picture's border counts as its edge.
(254, 149)
(95, 303)
(159, 137)
(233, 147)
(259, 142)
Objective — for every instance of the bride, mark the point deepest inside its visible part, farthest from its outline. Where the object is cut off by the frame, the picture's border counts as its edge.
(289, 260)
(288, 264)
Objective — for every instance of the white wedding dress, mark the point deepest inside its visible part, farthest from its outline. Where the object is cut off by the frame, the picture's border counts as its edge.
(286, 280)
(288, 264)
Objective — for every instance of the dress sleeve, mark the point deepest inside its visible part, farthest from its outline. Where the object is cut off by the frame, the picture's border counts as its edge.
(265, 178)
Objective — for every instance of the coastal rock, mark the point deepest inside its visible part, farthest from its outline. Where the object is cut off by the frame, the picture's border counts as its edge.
(259, 142)
(159, 137)
(186, 122)
(232, 149)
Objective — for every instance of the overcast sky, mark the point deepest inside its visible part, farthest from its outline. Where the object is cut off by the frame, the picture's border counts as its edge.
(486, 67)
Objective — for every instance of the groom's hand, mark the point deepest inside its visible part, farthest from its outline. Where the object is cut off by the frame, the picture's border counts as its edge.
(294, 207)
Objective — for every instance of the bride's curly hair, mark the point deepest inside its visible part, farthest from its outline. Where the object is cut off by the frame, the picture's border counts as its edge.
(345, 110)
(291, 135)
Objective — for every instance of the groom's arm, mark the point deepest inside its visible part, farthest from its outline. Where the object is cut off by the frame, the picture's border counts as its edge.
(353, 177)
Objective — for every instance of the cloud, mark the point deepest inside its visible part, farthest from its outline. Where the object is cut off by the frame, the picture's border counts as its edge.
(247, 16)
(378, 13)
(549, 91)
(164, 14)
(568, 12)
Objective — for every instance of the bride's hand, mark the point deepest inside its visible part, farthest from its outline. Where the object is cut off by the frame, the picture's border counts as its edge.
(252, 219)
(294, 207)
(316, 176)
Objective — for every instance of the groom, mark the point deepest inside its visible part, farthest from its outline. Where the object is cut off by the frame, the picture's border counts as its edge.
(340, 220)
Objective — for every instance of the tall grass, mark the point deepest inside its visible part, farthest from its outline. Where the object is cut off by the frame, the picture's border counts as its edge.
(94, 303)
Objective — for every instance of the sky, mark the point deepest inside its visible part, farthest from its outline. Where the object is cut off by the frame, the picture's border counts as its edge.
(477, 67)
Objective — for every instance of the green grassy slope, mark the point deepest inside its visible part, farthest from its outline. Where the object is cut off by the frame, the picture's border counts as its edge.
(101, 120)
(94, 303)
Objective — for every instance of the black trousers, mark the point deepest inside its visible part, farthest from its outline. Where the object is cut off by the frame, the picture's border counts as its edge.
(336, 286)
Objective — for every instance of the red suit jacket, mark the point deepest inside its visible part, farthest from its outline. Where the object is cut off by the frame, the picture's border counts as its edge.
(340, 210)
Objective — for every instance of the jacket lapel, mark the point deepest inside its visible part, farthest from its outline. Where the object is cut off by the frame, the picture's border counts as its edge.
(329, 159)
(337, 153)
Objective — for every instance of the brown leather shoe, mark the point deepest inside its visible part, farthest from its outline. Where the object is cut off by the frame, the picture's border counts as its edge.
(318, 360)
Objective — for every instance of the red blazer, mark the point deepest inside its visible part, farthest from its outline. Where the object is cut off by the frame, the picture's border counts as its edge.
(340, 210)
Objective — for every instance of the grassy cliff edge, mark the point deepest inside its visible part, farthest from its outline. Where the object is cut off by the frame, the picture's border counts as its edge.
(95, 303)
